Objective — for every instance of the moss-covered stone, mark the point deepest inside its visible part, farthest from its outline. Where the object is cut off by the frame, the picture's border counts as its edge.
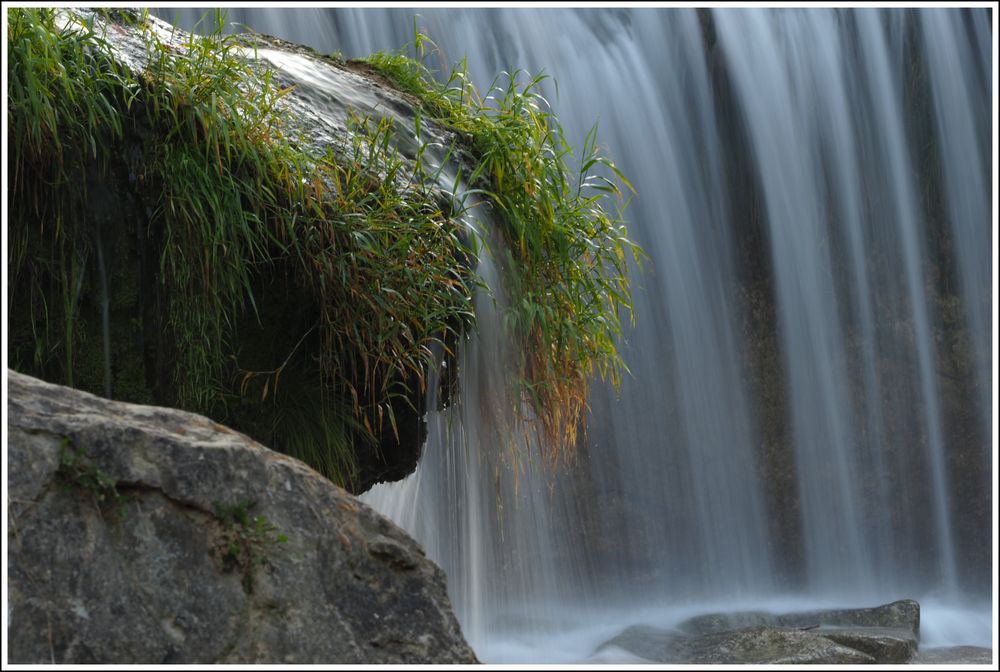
(187, 208)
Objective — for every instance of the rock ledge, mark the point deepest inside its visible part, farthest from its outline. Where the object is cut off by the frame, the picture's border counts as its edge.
(886, 634)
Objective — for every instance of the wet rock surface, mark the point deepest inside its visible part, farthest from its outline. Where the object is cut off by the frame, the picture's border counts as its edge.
(755, 644)
(768, 644)
(886, 645)
(902, 614)
(887, 634)
(147, 535)
(955, 655)
(647, 642)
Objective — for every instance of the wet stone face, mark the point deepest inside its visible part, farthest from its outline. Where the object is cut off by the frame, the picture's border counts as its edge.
(147, 581)
(884, 634)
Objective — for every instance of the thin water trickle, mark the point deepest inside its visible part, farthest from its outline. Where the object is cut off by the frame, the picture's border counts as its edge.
(807, 423)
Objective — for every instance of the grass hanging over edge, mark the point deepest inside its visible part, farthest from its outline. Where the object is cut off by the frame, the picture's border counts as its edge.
(233, 198)
(230, 198)
(565, 254)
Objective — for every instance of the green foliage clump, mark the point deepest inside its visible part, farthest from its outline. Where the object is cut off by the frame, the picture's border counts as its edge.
(60, 111)
(565, 256)
(226, 209)
(230, 198)
(77, 470)
(245, 540)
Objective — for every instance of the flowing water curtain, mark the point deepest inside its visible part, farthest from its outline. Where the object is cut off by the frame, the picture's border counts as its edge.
(698, 515)
(785, 428)
(845, 221)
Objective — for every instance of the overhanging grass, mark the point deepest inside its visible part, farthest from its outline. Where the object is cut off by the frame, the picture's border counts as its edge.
(565, 255)
(226, 202)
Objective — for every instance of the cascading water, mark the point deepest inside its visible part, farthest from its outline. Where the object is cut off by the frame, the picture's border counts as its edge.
(788, 74)
(960, 76)
(809, 414)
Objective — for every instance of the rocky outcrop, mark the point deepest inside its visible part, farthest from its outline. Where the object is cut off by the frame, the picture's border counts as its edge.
(767, 644)
(146, 535)
(886, 634)
(902, 614)
(277, 326)
(760, 644)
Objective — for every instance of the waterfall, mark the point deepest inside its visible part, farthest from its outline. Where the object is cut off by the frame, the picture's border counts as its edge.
(810, 409)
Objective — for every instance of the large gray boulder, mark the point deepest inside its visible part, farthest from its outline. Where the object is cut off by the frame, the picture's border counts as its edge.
(146, 535)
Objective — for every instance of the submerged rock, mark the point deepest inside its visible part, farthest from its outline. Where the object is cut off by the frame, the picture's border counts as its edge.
(147, 535)
(760, 644)
(653, 644)
(885, 634)
(707, 624)
(900, 614)
(768, 644)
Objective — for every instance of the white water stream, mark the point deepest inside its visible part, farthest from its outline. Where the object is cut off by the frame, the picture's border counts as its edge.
(854, 145)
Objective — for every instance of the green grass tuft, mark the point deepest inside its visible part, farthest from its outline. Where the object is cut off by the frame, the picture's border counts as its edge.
(565, 255)
(158, 204)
